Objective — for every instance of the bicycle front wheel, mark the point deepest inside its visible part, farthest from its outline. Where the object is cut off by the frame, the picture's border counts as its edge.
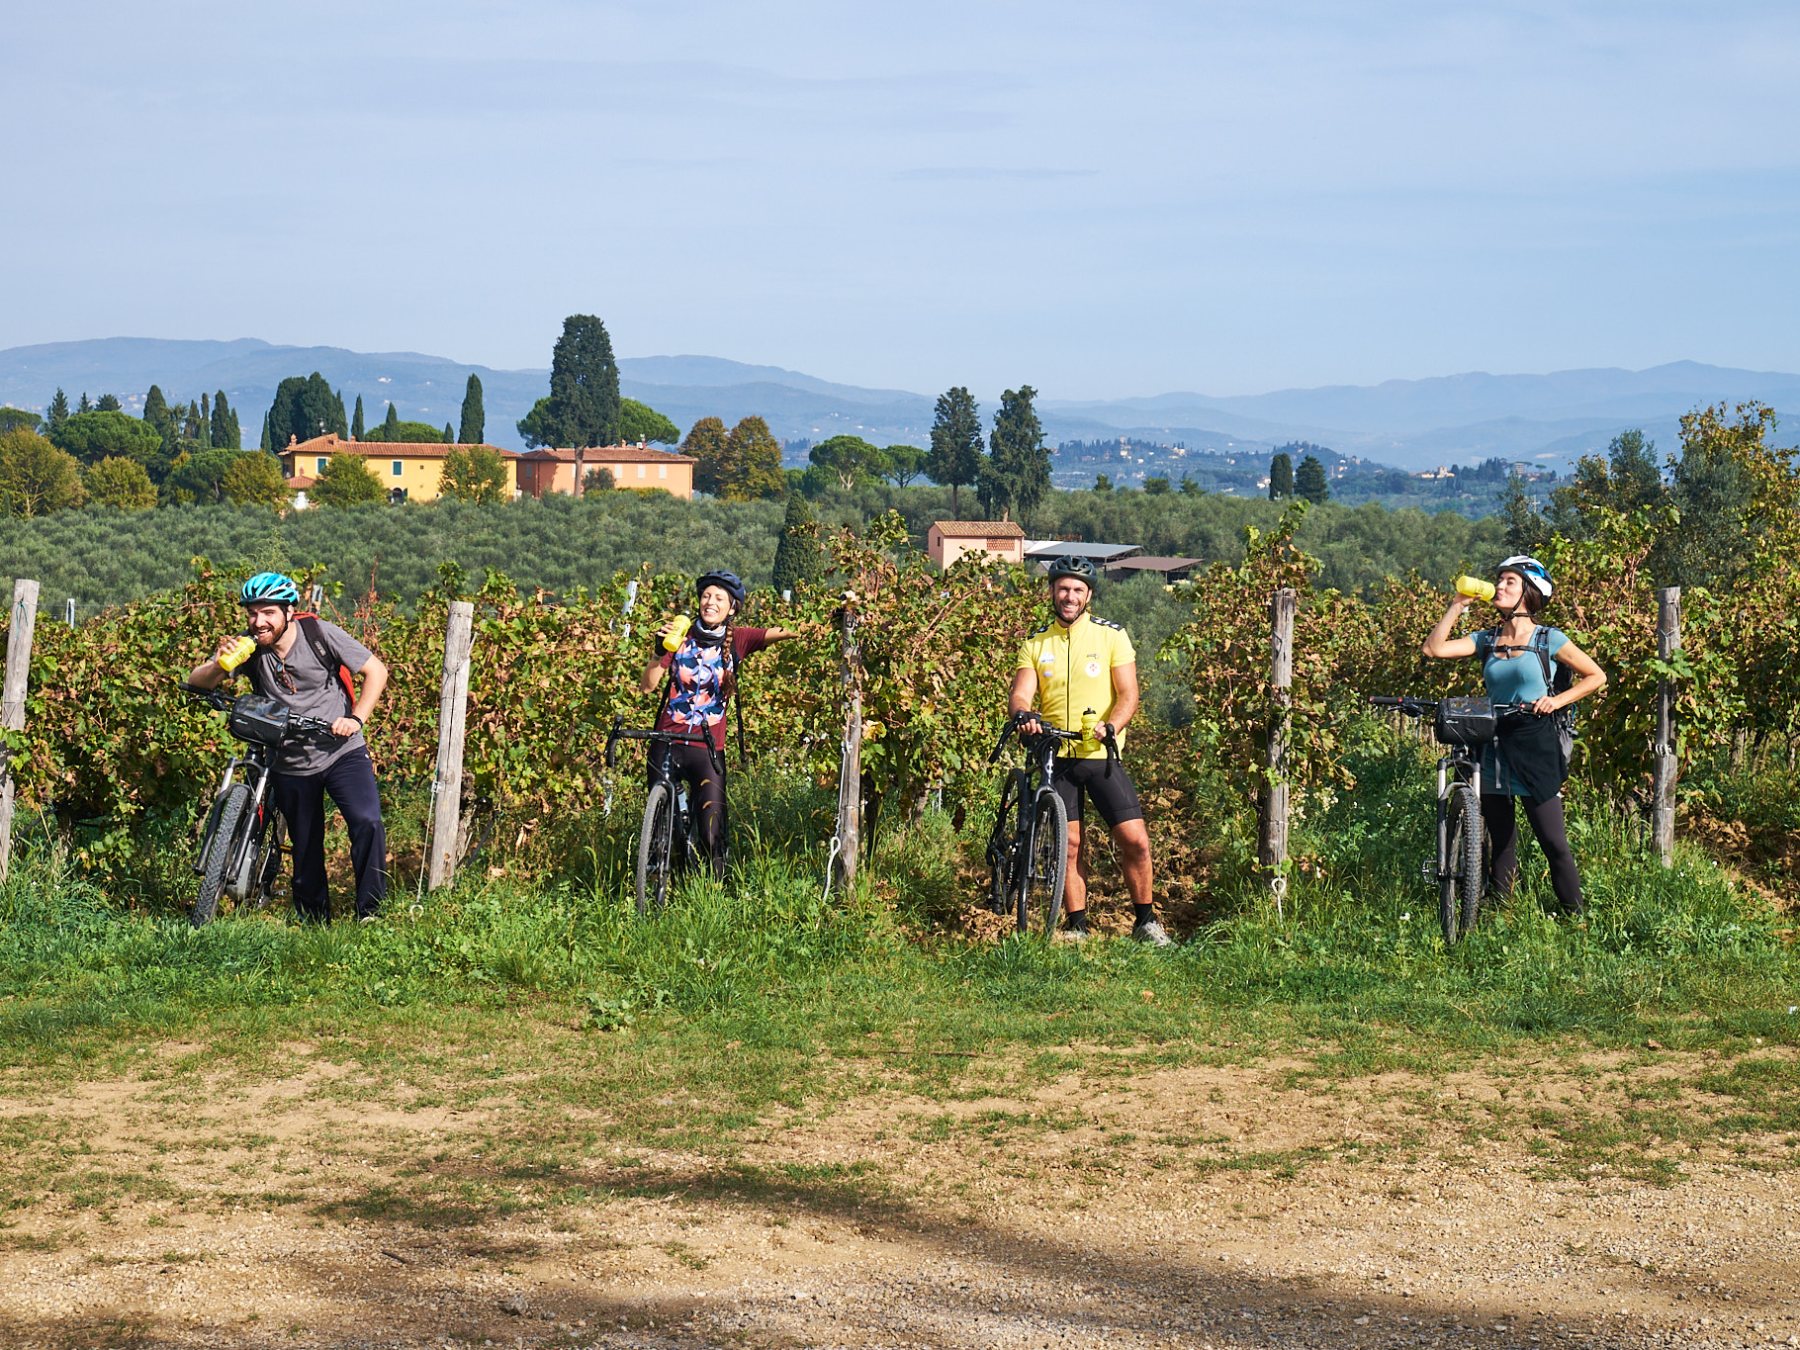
(656, 840)
(1043, 872)
(1000, 846)
(216, 852)
(1460, 868)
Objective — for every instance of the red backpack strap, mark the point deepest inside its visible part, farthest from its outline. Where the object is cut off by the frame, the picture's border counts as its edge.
(314, 633)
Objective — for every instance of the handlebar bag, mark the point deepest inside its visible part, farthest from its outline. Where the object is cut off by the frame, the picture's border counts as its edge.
(1466, 721)
(262, 721)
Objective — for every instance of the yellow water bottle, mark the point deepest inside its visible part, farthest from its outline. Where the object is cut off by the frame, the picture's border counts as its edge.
(240, 651)
(1475, 588)
(678, 627)
(1090, 723)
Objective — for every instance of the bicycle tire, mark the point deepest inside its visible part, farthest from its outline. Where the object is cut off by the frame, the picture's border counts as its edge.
(267, 873)
(1043, 875)
(1459, 867)
(655, 843)
(1000, 847)
(216, 851)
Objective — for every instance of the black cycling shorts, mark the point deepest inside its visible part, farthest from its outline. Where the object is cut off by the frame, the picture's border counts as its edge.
(1113, 795)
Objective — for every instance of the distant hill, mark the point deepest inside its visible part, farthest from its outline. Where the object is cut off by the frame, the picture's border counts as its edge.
(1414, 424)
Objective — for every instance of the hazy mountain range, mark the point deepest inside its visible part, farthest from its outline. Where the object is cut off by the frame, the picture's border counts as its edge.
(1411, 423)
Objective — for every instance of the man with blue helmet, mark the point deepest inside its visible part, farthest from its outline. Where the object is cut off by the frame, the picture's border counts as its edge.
(702, 675)
(313, 667)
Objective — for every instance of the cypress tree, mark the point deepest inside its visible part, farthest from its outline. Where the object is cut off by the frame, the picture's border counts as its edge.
(84, 405)
(268, 443)
(390, 425)
(158, 417)
(449, 434)
(58, 414)
(584, 385)
(474, 418)
(225, 433)
(797, 556)
(1017, 473)
(1281, 476)
(1309, 481)
(203, 432)
(109, 403)
(356, 421)
(955, 455)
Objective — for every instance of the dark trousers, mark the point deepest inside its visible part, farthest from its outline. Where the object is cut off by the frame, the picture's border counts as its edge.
(1546, 819)
(705, 778)
(301, 800)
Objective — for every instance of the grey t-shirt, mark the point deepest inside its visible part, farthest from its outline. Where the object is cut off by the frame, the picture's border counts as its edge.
(317, 692)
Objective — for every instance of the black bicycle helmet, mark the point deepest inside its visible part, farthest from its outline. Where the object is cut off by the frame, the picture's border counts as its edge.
(1082, 569)
(729, 582)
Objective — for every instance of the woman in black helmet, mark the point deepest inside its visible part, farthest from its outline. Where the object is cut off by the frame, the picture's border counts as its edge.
(702, 675)
(1519, 661)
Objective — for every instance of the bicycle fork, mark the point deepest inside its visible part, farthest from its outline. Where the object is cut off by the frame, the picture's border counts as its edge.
(1438, 871)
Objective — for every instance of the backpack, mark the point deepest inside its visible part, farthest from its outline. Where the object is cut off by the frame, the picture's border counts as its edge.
(1557, 679)
(314, 636)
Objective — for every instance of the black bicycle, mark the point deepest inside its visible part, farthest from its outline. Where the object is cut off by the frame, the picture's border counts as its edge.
(1028, 847)
(667, 814)
(245, 838)
(1463, 726)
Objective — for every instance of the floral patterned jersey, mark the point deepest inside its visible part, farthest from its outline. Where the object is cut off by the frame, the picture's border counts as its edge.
(696, 682)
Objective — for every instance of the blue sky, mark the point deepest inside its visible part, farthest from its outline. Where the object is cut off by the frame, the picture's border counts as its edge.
(1099, 200)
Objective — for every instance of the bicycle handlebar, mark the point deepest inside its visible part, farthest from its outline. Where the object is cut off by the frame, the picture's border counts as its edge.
(620, 732)
(219, 701)
(1046, 732)
(1418, 707)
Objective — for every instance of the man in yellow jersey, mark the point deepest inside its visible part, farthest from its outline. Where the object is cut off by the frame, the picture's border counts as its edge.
(1079, 664)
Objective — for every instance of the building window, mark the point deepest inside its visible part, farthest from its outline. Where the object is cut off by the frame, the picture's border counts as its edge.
(321, 464)
(399, 467)
(643, 470)
(662, 470)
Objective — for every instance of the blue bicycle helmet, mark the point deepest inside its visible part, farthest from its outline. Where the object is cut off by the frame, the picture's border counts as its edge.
(729, 582)
(269, 588)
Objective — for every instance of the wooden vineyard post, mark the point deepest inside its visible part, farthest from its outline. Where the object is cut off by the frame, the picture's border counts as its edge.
(849, 816)
(1662, 810)
(1272, 847)
(453, 708)
(12, 700)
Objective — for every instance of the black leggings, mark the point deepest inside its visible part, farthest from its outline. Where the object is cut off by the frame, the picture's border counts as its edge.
(1546, 819)
(705, 778)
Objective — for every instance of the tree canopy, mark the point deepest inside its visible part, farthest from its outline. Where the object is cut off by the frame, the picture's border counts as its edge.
(641, 422)
(305, 408)
(1309, 480)
(1281, 476)
(255, 479)
(850, 459)
(36, 478)
(475, 474)
(94, 436)
(121, 483)
(346, 481)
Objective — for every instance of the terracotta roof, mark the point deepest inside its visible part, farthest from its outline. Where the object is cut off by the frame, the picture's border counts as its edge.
(978, 529)
(300, 482)
(618, 454)
(330, 444)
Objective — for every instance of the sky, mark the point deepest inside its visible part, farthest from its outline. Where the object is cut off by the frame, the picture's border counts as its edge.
(1098, 200)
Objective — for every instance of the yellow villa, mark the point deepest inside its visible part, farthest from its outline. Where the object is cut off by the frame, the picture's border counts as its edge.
(410, 471)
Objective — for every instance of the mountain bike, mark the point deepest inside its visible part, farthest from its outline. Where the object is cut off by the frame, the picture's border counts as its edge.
(1028, 847)
(244, 841)
(667, 816)
(1463, 726)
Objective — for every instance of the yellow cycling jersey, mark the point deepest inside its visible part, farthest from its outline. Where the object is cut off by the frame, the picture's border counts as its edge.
(1074, 668)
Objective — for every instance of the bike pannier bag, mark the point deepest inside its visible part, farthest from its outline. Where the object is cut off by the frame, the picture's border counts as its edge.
(260, 720)
(1466, 721)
